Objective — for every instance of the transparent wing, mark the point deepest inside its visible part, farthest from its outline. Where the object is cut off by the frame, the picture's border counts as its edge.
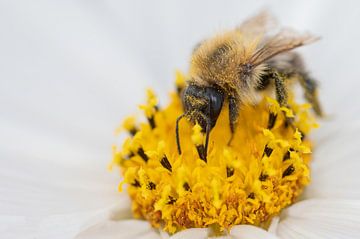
(285, 40)
(258, 25)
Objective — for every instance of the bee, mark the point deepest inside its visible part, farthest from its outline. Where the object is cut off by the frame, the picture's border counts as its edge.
(235, 66)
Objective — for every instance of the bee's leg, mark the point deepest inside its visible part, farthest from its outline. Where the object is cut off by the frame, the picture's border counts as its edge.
(310, 87)
(233, 115)
(281, 94)
(265, 81)
(177, 133)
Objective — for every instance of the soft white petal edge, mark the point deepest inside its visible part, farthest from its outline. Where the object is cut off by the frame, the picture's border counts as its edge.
(250, 232)
(336, 160)
(134, 229)
(198, 233)
(321, 218)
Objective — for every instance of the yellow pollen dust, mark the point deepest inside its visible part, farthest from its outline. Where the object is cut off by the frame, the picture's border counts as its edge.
(248, 182)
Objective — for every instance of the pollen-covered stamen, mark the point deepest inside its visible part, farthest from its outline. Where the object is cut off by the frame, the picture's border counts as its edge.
(165, 163)
(171, 200)
(152, 122)
(142, 154)
(202, 152)
(151, 186)
(150, 108)
(272, 120)
(263, 177)
(288, 171)
(251, 195)
(302, 135)
(136, 183)
(133, 131)
(129, 156)
(287, 154)
(229, 171)
(129, 124)
(186, 186)
(267, 151)
(198, 140)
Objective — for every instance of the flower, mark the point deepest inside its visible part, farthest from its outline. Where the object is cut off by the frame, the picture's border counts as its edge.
(63, 91)
(329, 207)
(248, 181)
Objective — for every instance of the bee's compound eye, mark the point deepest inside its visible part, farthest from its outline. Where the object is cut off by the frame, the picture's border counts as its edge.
(203, 104)
(216, 100)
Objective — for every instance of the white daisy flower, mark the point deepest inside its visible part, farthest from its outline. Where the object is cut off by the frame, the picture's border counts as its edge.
(71, 71)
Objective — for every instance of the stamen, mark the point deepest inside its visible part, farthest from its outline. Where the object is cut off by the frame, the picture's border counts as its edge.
(267, 151)
(229, 171)
(133, 131)
(263, 177)
(186, 186)
(136, 183)
(165, 163)
(287, 154)
(171, 200)
(288, 171)
(142, 154)
(152, 122)
(151, 186)
(272, 120)
(202, 153)
(251, 195)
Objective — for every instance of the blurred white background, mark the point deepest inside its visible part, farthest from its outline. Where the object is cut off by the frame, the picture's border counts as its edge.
(71, 70)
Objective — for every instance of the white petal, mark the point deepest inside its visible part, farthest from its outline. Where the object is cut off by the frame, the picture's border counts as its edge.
(250, 232)
(198, 233)
(134, 229)
(273, 225)
(321, 218)
(54, 200)
(41, 189)
(69, 225)
(16, 227)
(336, 160)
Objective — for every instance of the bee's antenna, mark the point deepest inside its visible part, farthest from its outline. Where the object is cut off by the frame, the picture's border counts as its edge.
(177, 133)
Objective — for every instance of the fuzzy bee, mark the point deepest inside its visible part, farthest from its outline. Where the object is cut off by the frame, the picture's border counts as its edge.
(234, 66)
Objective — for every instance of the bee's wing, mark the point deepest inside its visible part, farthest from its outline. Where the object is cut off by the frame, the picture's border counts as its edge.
(258, 25)
(285, 40)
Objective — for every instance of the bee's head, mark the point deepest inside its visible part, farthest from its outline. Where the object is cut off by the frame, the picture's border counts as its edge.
(202, 105)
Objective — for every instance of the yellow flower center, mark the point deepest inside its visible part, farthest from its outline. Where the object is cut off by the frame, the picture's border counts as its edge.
(248, 182)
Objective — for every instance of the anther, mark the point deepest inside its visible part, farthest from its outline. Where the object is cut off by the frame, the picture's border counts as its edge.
(133, 131)
(151, 186)
(302, 135)
(142, 154)
(151, 120)
(157, 108)
(229, 171)
(263, 177)
(165, 163)
(136, 183)
(171, 200)
(288, 171)
(267, 151)
(202, 152)
(287, 154)
(129, 156)
(186, 186)
(251, 195)
(272, 120)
